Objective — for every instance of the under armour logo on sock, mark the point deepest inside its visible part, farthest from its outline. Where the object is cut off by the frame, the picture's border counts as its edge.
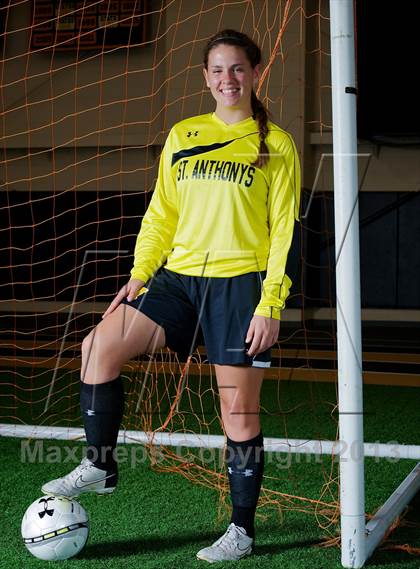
(246, 472)
(90, 413)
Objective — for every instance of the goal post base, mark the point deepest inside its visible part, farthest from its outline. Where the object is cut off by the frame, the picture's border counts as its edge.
(377, 527)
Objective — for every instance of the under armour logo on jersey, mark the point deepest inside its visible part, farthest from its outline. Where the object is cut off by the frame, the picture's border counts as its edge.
(46, 510)
(192, 133)
(90, 413)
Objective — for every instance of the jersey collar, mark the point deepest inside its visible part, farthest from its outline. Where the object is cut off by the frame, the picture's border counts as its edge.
(240, 124)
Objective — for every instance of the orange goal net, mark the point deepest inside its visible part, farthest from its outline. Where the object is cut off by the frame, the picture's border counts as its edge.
(89, 90)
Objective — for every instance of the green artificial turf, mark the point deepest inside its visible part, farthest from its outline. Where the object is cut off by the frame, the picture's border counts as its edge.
(159, 520)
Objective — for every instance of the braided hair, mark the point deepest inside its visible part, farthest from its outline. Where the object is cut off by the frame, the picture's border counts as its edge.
(253, 53)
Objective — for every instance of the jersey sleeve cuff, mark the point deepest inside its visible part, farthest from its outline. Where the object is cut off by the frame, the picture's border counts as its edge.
(268, 312)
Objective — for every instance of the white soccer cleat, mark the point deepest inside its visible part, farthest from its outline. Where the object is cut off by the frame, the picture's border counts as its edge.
(84, 478)
(232, 546)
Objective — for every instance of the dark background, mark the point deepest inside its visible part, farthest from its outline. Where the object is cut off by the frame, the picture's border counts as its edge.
(388, 49)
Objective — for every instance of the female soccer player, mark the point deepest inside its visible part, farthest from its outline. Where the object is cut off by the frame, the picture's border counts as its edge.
(210, 256)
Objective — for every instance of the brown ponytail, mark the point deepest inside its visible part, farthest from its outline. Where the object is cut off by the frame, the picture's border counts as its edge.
(260, 115)
(253, 53)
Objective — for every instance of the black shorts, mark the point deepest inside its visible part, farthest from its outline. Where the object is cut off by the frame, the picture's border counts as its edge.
(217, 310)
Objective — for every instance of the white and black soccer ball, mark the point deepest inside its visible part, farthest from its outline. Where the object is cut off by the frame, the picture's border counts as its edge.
(55, 528)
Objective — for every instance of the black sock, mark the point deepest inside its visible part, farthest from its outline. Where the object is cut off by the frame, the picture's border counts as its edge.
(245, 464)
(102, 408)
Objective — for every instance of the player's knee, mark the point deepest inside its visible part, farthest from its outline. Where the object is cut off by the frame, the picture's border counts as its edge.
(239, 415)
(100, 347)
(226, 404)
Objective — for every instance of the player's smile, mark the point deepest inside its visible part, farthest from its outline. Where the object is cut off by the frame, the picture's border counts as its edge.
(230, 93)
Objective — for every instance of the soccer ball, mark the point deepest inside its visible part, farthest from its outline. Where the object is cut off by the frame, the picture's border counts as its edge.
(55, 528)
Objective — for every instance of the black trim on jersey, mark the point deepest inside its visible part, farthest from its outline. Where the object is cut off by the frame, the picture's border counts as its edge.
(198, 150)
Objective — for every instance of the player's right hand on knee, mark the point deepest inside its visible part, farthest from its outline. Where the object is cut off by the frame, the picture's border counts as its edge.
(129, 291)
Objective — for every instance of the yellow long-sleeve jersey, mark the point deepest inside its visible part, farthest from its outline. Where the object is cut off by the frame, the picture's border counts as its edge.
(214, 214)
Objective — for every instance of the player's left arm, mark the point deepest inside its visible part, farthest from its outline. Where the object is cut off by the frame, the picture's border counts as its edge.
(283, 209)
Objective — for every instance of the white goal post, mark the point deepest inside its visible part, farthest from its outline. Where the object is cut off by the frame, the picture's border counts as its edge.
(358, 539)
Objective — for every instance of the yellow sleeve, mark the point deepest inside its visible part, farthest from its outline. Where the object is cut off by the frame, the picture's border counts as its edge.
(154, 242)
(283, 208)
